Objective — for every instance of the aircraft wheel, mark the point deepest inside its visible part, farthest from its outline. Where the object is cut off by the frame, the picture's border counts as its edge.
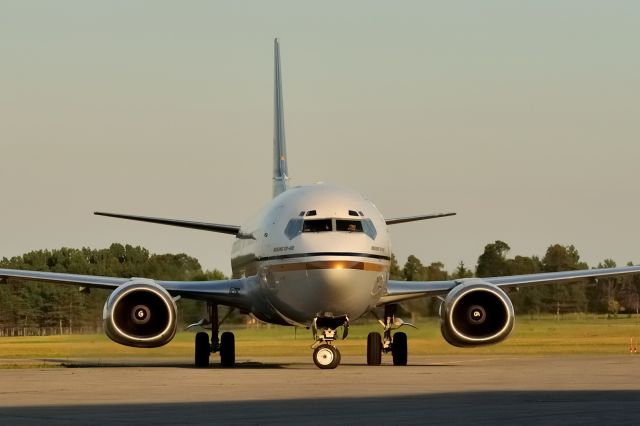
(203, 350)
(399, 348)
(326, 356)
(374, 349)
(227, 349)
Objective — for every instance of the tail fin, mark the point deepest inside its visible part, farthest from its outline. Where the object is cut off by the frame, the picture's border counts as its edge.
(280, 172)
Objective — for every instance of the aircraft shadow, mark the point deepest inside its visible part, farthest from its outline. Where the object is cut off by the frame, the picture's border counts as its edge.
(248, 365)
(477, 408)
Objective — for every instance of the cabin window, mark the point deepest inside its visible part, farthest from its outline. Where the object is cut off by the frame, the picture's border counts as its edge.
(317, 225)
(294, 228)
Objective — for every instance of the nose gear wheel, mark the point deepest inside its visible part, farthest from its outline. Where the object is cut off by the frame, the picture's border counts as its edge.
(326, 356)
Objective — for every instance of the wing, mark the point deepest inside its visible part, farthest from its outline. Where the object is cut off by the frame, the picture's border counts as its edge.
(234, 292)
(416, 218)
(398, 291)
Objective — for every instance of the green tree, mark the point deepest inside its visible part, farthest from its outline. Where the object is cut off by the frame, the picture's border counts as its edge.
(461, 271)
(413, 269)
(395, 273)
(435, 272)
(630, 293)
(564, 297)
(527, 299)
(492, 262)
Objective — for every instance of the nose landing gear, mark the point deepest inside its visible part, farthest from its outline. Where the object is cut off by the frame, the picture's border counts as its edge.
(325, 354)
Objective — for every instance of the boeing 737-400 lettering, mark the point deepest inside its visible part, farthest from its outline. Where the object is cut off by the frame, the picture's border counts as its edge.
(316, 256)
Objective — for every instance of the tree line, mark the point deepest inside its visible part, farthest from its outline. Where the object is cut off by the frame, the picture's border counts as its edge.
(38, 308)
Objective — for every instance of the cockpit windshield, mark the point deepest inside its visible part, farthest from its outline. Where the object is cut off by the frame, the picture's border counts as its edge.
(299, 225)
(317, 225)
(357, 225)
(349, 225)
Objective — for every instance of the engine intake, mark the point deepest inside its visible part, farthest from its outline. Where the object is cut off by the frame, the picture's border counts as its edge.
(476, 313)
(140, 313)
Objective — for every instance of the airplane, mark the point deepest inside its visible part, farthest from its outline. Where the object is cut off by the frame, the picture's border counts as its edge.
(316, 256)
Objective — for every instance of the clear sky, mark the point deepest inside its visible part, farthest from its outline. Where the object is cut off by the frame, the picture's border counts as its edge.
(523, 117)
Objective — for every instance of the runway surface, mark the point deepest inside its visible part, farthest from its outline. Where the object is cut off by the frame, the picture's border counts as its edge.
(432, 390)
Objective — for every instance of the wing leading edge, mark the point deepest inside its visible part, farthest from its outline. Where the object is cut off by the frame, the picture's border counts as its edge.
(234, 292)
(396, 220)
(398, 291)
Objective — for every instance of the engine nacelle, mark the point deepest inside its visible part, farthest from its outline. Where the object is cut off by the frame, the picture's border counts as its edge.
(476, 313)
(140, 313)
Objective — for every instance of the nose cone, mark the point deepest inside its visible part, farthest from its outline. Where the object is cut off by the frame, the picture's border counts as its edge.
(325, 288)
(334, 285)
(341, 290)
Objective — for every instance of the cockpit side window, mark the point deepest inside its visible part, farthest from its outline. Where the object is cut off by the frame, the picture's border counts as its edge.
(369, 228)
(317, 225)
(294, 228)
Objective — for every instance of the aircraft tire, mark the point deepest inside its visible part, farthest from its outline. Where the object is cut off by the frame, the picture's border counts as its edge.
(202, 350)
(399, 348)
(374, 349)
(326, 356)
(227, 349)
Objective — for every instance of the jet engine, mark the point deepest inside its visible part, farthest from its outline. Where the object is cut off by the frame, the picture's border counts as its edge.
(140, 313)
(476, 313)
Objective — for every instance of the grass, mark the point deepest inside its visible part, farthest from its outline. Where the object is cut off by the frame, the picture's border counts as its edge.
(544, 336)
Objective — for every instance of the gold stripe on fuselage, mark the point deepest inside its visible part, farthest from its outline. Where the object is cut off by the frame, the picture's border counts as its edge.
(327, 264)
(251, 268)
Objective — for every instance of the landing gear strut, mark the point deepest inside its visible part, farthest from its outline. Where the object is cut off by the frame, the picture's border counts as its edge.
(225, 345)
(396, 343)
(325, 354)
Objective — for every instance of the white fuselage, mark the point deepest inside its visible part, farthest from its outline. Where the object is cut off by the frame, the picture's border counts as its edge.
(317, 251)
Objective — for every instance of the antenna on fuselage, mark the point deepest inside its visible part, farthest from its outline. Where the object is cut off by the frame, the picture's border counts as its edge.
(280, 172)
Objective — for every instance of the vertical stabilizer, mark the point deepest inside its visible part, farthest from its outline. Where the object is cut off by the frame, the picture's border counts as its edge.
(280, 172)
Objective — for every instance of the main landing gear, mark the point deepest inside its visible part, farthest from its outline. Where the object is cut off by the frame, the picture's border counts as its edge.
(325, 354)
(225, 345)
(396, 343)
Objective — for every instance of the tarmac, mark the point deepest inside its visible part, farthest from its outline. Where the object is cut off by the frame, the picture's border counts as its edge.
(443, 390)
